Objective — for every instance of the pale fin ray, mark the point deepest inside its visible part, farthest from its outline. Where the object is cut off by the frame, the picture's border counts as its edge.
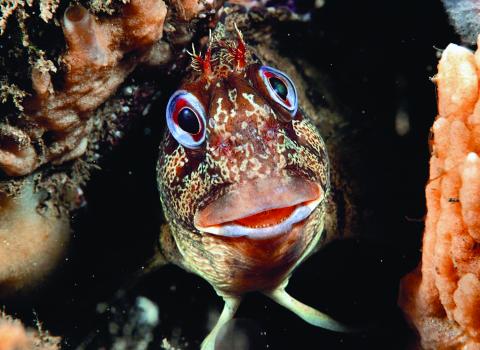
(305, 312)
(229, 310)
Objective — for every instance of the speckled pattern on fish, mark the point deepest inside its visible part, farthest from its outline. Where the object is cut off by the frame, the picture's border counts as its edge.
(246, 135)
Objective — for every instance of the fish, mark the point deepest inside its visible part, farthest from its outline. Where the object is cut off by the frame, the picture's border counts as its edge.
(243, 176)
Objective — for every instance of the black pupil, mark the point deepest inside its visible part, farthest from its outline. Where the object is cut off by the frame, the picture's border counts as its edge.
(188, 121)
(279, 87)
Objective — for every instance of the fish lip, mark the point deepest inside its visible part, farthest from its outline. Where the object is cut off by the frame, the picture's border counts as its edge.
(302, 195)
(301, 213)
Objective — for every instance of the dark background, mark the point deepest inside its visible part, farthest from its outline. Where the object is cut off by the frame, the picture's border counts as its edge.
(380, 56)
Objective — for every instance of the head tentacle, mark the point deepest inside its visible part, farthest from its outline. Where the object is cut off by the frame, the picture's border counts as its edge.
(203, 64)
(236, 51)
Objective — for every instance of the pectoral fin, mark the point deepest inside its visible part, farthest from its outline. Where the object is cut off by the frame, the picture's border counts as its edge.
(305, 312)
(229, 309)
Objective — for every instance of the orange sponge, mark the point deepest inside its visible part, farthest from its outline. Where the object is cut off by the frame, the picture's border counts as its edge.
(441, 298)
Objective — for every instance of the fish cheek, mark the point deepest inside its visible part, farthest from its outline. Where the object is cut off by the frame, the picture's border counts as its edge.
(305, 151)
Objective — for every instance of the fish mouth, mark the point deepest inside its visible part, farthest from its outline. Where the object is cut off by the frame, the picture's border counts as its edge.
(261, 208)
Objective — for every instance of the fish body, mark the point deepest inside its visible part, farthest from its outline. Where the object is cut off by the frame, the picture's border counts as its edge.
(243, 176)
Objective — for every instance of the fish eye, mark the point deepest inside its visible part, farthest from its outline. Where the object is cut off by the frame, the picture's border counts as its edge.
(280, 88)
(186, 119)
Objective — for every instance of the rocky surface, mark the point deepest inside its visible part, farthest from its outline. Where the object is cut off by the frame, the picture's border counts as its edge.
(67, 100)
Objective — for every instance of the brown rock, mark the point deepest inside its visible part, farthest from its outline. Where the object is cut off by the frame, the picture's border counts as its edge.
(58, 118)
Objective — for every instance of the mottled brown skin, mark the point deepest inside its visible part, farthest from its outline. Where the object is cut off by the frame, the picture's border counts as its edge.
(249, 137)
(255, 152)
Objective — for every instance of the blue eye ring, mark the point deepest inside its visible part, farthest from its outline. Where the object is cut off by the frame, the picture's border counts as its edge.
(177, 103)
(269, 75)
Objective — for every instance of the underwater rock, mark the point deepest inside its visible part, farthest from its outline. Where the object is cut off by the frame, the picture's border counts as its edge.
(60, 75)
(33, 237)
(189, 8)
(441, 298)
(58, 120)
(56, 93)
(129, 324)
(14, 336)
(291, 5)
(464, 16)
